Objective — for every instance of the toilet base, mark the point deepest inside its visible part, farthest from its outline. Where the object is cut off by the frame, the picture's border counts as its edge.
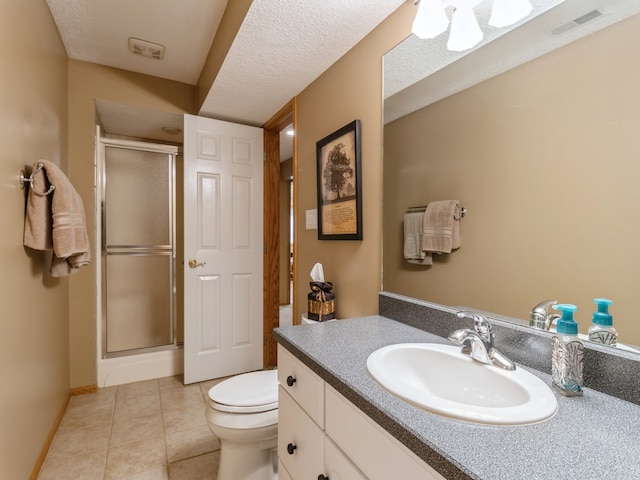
(247, 462)
(247, 454)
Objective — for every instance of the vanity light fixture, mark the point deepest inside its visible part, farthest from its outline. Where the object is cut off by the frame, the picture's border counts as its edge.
(465, 33)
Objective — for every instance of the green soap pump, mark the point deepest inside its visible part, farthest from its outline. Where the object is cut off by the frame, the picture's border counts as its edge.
(601, 330)
(567, 354)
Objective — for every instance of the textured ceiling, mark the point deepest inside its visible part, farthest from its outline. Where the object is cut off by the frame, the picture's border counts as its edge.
(283, 46)
(97, 31)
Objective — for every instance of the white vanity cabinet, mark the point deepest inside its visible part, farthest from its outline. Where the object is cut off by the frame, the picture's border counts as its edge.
(321, 435)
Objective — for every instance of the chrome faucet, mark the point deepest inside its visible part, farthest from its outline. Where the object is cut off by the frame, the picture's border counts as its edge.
(478, 343)
(540, 317)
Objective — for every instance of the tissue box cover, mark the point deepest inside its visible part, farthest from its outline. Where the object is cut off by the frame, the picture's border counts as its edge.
(321, 302)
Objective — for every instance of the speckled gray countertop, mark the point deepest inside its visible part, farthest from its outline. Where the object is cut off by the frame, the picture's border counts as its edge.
(595, 436)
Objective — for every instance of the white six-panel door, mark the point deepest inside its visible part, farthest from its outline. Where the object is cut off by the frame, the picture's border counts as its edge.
(223, 248)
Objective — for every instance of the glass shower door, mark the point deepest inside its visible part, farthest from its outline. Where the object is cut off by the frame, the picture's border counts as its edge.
(138, 250)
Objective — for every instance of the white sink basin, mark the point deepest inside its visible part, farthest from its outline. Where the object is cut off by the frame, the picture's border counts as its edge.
(439, 378)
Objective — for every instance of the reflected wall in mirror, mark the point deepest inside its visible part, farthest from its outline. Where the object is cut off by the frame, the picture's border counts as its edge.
(546, 160)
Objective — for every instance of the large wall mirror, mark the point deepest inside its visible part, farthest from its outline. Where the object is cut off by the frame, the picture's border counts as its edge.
(545, 157)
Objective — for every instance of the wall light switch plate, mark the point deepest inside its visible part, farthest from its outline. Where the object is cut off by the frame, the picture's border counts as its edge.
(312, 219)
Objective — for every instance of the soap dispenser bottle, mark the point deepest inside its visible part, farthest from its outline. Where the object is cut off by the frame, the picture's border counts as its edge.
(567, 354)
(601, 330)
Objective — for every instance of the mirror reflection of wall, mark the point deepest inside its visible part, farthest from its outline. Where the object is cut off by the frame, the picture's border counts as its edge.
(546, 160)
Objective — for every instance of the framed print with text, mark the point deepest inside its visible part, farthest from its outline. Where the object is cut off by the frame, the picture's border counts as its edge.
(340, 184)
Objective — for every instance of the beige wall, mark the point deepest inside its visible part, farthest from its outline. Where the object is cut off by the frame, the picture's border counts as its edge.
(546, 158)
(88, 82)
(351, 89)
(34, 359)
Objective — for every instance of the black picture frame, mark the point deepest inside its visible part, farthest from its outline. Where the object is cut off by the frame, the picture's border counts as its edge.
(339, 184)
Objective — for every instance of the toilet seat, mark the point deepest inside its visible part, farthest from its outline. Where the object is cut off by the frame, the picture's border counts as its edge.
(252, 392)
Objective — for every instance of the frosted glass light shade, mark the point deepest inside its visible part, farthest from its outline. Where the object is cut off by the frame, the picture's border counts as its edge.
(508, 12)
(431, 19)
(465, 32)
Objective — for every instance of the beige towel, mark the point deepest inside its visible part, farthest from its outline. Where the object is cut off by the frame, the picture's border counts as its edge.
(56, 221)
(441, 228)
(413, 252)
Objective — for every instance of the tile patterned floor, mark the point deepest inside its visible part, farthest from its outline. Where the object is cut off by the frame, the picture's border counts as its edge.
(151, 430)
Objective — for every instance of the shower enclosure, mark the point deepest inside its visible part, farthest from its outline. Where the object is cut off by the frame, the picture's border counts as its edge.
(137, 184)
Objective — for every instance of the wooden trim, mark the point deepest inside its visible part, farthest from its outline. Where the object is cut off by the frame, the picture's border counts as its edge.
(47, 444)
(83, 390)
(271, 301)
(56, 423)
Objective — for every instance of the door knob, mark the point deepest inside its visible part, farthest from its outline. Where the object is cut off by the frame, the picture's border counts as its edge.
(291, 448)
(193, 263)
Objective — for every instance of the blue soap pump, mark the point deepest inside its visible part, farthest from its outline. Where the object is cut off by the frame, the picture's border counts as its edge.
(567, 353)
(601, 330)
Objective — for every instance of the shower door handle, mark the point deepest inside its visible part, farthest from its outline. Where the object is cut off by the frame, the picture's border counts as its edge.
(193, 263)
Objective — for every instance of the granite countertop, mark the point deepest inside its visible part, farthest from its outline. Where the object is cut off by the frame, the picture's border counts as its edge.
(591, 437)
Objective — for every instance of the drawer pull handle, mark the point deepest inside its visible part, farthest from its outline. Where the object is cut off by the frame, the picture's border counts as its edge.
(291, 448)
(322, 477)
(290, 381)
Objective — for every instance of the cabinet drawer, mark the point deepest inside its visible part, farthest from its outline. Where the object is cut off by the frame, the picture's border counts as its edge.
(379, 455)
(302, 384)
(300, 440)
(337, 466)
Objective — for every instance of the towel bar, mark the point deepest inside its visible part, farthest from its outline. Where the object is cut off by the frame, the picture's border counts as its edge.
(24, 180)
(422, 208)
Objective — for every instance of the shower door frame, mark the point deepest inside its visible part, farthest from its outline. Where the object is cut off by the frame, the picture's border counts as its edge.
(172, 151)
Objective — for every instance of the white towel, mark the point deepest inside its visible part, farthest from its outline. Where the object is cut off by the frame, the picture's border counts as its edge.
(57, 221)
(441, 228)
(413, 252)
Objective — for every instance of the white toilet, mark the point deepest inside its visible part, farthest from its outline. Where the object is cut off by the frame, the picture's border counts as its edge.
(242, 412)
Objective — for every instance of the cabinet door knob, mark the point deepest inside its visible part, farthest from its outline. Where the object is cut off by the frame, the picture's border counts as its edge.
(322, 477)
(291, 448)
(290, 381)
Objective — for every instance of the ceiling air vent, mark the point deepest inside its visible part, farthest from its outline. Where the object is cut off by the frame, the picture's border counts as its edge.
(576, 22)
(146, 49)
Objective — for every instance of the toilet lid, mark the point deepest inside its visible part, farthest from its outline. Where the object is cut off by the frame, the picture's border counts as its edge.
(247, 393)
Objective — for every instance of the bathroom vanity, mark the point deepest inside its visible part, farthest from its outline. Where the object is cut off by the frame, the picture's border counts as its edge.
(338, 423)
(320, 433)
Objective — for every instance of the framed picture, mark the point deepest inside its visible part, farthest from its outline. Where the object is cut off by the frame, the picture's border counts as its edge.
(340, 184)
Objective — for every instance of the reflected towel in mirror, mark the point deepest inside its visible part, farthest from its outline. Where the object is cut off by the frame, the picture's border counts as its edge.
(413, 251)
(441, 227)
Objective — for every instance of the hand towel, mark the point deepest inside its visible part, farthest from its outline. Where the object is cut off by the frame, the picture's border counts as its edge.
(413, 252)
(441, 227)
(57, 221)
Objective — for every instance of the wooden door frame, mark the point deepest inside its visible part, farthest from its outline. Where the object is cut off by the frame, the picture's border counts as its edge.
(272, 129)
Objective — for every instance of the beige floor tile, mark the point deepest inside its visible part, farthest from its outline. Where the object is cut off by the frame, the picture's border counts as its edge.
(133, 458)
(190, 443)
(130, 407)
(128, 430)
(176, 419)
(67, 443)
(86, 466)
(84, 416)
(137, 389)
(104, 396)
(182, 397)
(171, 383)
(161, 473)
(204, 467)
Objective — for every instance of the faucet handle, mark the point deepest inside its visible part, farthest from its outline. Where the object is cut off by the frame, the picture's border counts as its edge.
(481, 325)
